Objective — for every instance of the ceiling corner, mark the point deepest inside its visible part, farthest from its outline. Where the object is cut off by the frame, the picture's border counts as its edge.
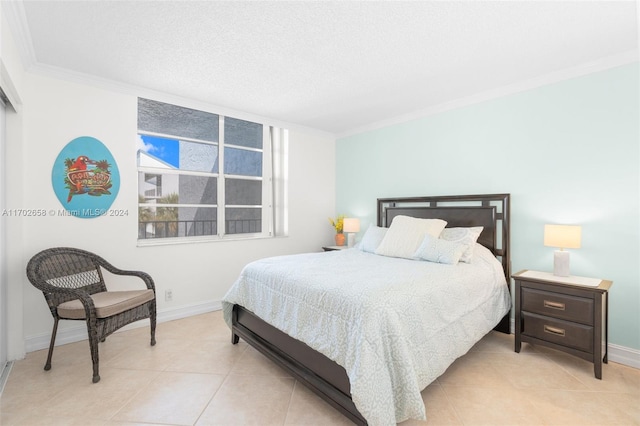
(14, 14)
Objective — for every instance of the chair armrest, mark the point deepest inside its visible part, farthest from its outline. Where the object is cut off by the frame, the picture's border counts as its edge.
(142, 275)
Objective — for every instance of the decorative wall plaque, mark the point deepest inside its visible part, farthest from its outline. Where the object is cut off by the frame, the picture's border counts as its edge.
(85, 178)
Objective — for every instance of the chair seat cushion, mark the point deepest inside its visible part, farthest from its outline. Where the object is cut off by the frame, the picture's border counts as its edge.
(107, 303)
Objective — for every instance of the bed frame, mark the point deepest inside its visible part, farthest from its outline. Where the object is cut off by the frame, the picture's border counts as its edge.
(325, 377)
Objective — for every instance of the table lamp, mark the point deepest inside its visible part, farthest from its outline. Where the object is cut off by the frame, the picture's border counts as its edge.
(350, 227)
(562, 237)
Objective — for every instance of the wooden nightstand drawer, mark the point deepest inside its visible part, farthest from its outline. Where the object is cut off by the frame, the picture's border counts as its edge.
(557, 331)
(570, 308)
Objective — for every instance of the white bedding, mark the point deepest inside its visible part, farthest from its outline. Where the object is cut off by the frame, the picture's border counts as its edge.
(394, 324)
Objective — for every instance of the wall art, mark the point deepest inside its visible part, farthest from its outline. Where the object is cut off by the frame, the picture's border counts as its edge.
(85, 178)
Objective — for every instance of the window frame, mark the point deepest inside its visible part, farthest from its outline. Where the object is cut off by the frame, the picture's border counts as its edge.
(267, 206)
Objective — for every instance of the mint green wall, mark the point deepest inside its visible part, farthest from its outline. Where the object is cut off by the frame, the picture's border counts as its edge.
(566, 152)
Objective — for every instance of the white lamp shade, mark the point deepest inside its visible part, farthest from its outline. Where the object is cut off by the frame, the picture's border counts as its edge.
(351, 224)
(562, 236)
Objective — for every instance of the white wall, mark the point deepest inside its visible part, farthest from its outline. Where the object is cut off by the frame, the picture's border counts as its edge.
(58, 111)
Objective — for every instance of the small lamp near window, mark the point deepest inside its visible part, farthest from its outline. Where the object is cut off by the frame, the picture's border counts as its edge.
(351, 226)
(562, 237)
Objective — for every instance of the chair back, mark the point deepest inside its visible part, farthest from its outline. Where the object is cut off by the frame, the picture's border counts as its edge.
(60, 270)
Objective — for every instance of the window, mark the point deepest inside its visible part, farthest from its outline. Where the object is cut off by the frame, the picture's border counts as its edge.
(203, 175)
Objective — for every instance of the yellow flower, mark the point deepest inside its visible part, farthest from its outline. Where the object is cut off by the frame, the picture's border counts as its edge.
(337, 223)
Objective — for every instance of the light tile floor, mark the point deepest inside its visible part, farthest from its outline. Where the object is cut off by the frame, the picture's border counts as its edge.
(195, 376)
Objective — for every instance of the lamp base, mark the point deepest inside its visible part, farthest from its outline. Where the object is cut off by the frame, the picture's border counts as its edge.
(351, 239)
(561, 263)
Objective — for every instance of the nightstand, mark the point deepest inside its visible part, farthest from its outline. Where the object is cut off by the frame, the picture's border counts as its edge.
(332, 248)
(565, 313)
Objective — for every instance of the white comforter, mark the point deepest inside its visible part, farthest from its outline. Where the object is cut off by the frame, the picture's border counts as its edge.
(395, 325)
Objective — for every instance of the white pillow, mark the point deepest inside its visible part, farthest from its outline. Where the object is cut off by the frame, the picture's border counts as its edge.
(406, 234)
(372, 238)
(466, 236)
(441, 251)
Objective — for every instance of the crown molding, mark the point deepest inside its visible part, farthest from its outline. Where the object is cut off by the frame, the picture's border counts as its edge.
(602, 64)
(16, 18)
(14, 13)
(64, 74)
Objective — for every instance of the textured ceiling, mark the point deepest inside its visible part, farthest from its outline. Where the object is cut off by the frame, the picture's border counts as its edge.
(332, 66)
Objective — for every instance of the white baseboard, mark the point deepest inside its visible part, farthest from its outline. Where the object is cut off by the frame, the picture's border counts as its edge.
(5, 375)
(617, 353)
(79, 332)
(623, 355)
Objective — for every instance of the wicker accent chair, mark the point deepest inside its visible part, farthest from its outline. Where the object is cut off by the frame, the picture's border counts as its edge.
(74, 288)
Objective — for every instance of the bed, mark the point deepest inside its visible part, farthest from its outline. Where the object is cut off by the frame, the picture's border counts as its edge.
(366, 343)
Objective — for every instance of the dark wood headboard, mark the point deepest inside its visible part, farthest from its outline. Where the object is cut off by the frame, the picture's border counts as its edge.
(490, 211)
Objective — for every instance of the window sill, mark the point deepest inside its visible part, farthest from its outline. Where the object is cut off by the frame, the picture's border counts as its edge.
(152, 242)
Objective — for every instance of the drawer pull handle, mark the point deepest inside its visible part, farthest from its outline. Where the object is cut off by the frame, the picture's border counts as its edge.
(554, 330)
(554, 305)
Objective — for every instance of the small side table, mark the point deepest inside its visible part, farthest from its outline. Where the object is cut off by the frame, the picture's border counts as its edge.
(332, 248)
(569, 314)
